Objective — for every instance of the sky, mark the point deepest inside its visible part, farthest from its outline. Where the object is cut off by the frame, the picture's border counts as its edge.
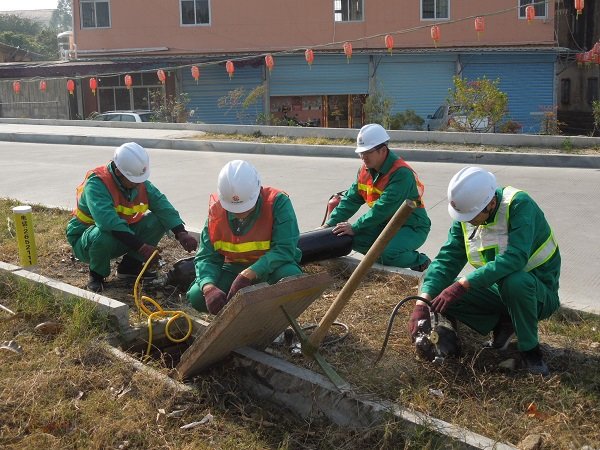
(11, 5)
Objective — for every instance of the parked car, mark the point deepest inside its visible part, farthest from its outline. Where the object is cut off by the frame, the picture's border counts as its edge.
(447, 117)
(126, 116)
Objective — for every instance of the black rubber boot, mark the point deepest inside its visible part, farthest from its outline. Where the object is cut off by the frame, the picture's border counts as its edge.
(502, 334)
(130, 268)
(533, 362)
(95, 282)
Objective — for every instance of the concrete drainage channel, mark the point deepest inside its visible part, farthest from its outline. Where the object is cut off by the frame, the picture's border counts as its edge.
(304, 392)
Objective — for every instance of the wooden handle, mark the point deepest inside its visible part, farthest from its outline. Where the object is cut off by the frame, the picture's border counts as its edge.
(342, 299)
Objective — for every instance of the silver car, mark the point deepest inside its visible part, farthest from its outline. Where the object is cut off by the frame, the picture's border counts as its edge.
(126, 116)
(446, 117)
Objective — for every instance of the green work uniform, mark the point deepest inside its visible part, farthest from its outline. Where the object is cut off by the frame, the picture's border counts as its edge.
(401, 250)
(503, 285)
(96, 244)
(281, 260)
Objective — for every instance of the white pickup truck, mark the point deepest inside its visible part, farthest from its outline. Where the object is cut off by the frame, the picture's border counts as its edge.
(450, 118)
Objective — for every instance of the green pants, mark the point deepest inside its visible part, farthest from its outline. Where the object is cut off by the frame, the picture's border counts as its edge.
(98, 247)
(520, 295)
(401, 251)
(228, 274)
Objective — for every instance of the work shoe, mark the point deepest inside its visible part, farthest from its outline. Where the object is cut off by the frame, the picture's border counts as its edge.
(533, 362)
(130, 268)
(95, 282)
(502, 334)
(421, 267)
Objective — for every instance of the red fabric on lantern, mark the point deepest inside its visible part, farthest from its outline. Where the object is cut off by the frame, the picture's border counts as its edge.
(128, 81)
(529, 13)
(93, 85)
(309, 55)
(269, 62)
(229, 67)
(579, 6)
(70, 86)
(479, 25)
(195, 73)
(579, 59)
(435, 34)
(348, 51)
(17, 87)
(161, 75)
(389, 42)
(43, 85)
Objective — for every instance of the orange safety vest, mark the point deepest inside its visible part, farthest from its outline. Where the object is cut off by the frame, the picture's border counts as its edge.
(371, 192)
(249, 247)
(132, 211)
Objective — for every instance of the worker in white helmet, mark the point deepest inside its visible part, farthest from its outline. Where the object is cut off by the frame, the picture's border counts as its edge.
(503, 234)
(251, 235)
(383, 182)
(120, 213)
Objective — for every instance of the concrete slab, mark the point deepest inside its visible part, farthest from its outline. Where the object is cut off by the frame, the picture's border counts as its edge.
(253, 317)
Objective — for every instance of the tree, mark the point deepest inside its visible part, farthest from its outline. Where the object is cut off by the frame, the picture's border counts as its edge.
(62, 17)
(596, 114)
(26, 34)
(479, 101)
(377, 108)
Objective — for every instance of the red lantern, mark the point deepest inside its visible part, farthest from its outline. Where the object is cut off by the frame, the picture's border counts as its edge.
(269, 62)
(529, 13)
(587, 58)
(579, 6)
(389, 42)
(596, 48)
(128, 81)
(309, 56)
(161, 75)
(195, 73)
(70, 86)
(479, 25)
(17, 86)
(435, 34)
(229, 68)
(348, 51)
(93, 85)
(43, 85)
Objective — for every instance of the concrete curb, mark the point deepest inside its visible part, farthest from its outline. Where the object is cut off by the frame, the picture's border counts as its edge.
(422, 155)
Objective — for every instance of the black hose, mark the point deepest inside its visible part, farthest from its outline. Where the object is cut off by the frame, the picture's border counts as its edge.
(391, 322)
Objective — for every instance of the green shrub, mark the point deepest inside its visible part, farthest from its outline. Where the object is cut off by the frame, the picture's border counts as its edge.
(407, 120)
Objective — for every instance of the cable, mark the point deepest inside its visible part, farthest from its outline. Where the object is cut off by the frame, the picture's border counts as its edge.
(139, 302)
(331, 340)
(391, 322)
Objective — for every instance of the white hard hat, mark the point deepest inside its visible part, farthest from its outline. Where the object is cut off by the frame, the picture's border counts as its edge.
(133, 162)
(238, 186)
(469, 192)
(369, 136)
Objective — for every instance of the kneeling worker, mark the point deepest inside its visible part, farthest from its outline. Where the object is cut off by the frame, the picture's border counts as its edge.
(119, 212)
(251, 235)
(383, 182)
(503, 233)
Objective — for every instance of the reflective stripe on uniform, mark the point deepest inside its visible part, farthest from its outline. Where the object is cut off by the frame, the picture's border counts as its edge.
(243, 247)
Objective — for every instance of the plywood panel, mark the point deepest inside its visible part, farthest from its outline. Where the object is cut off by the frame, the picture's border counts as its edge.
(252, 318)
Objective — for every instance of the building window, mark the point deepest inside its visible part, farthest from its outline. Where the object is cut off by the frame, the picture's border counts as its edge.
(95, 14)
(435, 9)
(565, 91)
(592, 90)
(195, 12)
(540, 8)
(347, 10)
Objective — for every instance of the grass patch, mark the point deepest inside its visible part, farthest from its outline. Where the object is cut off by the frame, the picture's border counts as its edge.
(64, 391)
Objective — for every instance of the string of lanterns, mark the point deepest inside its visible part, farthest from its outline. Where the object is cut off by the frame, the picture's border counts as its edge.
(584, 58)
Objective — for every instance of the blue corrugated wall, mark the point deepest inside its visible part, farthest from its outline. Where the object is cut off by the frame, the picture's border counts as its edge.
(528, 79)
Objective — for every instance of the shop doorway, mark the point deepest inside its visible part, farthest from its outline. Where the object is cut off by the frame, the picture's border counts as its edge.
(330, 111)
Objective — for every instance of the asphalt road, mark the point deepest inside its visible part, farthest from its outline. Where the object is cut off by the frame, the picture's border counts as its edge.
(48, 174)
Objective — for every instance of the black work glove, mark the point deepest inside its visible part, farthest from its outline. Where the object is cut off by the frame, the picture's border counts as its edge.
(146, 251)
(420, 312)
(447, 297)
(187, 241)
(240, 282)
(215, 299)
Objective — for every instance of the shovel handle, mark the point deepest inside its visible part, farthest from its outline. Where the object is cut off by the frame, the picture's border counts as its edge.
(343, 297)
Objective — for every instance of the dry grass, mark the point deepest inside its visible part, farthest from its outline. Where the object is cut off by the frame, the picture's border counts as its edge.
(66, 393)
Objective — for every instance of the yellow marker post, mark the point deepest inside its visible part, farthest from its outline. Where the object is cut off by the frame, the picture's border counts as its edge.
(25, 238)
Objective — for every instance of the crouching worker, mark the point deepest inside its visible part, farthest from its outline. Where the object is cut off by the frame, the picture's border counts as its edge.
(503, 233)
(119, 212)
(250, 236)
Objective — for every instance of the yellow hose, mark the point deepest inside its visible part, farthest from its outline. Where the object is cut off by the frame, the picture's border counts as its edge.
(139, 302)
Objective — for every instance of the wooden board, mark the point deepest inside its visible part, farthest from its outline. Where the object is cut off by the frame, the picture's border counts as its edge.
(252, 318)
